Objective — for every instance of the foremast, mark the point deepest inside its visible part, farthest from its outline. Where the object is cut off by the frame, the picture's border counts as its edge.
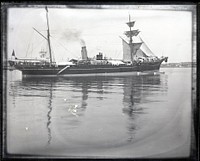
(133, 46)
(48, 37)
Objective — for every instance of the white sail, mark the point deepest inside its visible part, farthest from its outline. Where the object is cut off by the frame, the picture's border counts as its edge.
(140, 49)
(146, 49)
(140, 53)
(126, 51)
(135, 50)
(135, 47)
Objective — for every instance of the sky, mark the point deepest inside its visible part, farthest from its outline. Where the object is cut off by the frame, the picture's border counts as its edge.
(166, 32)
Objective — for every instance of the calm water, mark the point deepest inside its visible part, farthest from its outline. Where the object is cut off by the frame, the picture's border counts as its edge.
(127, 116)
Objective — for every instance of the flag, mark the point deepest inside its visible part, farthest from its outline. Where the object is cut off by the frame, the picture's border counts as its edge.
(46, 8)
(13, 53)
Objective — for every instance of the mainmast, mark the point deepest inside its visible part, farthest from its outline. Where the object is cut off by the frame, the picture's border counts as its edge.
(130, 35)
(48, 36)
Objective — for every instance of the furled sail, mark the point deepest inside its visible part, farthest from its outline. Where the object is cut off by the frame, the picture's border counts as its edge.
(132, 33)
(130, 24)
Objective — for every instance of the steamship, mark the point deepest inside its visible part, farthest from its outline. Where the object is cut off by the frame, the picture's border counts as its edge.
(137, 57)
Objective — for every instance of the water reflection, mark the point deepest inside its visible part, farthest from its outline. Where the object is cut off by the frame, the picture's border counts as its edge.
(13, 92)
(47, 86)
(49, 114)
(79, 92)
(136, 89)
(82, 86)
(85, 86)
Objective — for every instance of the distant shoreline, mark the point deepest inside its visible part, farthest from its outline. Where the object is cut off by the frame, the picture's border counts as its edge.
(177, 67)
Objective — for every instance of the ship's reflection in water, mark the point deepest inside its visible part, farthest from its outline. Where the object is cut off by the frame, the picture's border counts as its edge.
(49, 114)
(136, 90)
(89, 112)
(43, 85)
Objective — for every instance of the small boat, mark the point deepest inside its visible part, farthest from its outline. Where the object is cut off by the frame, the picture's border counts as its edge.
(137, 57)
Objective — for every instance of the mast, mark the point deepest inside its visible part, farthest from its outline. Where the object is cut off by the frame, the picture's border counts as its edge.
(48, 37)
(130, 25)
(131, 40)
(130, 35)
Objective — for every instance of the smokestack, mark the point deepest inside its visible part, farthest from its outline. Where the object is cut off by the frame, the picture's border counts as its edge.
(84, 53)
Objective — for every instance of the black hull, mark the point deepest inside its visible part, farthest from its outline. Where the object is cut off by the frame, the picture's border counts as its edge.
(88, 69)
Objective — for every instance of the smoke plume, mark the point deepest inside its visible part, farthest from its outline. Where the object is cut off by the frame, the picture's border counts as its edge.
(82, 42)
(73, 35)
